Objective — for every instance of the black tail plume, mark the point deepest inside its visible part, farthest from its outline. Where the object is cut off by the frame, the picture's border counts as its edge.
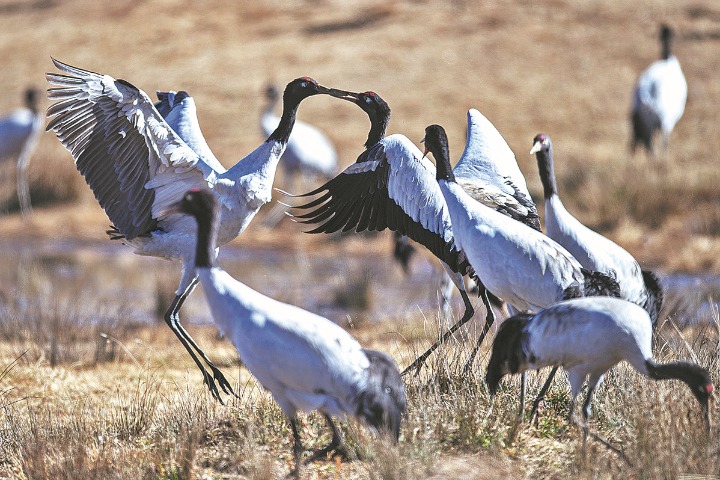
(507, 351)
(599, 284)
(655, 298)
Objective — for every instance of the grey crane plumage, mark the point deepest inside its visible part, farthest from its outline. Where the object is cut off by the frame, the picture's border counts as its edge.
(137, 165)
(588, 336)
(306, 361)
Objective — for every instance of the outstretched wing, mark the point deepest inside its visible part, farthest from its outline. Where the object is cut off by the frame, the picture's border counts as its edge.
(134, 163)
(391, 186)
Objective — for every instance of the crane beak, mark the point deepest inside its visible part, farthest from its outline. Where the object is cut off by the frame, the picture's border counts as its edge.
(345, 95)
(425, 150)
(536, 148)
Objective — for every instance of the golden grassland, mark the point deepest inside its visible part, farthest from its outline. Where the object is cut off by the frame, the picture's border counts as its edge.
(129, 403)
(88, 396)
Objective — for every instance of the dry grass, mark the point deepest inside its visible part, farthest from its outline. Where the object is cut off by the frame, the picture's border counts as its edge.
(142, 411)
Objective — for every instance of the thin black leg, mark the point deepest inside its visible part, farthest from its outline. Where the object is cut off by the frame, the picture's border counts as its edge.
(489, 320)
(420, 361)
(297, 446)
(523, 389)
(542, 393)
(172, 318)
(337, 444)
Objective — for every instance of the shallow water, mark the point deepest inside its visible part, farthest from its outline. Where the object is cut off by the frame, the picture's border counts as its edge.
(109, 272)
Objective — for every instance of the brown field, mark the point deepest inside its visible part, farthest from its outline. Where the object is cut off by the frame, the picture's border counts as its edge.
(131, 405)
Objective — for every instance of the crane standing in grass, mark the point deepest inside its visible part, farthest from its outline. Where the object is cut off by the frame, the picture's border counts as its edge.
(587, 336)
(392, 186)
(592, 250)
(137, 166)
(19, 134)
(516, 263)
(306, 361)
(659, 96)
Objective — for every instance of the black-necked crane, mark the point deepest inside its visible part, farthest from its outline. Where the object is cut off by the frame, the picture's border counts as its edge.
(306, 361)
(392, 185)
(19, 134)
(659, 96)
(309, 154)
(136, 166)
(514, 262)
(592, 250)
(588, 336)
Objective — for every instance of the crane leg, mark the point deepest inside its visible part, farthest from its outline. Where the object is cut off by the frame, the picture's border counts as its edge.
(23, 191)
(489, 320)
(420, 361)
(337, 444)
(297, 446)
(172, 318)
(523, 389)
(542, 393)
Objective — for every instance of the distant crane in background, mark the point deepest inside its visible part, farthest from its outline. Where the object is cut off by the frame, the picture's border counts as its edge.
(306, 361)
(137, 166)
(309, 154)
(19, 134)
(659, 97)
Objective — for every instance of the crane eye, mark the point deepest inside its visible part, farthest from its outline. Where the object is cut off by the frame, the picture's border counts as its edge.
(303, 84)
(368, 100)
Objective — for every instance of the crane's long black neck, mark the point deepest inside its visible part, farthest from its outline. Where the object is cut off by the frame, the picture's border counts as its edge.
(666, 47)
(287, 122)
(207, 239)
(441, 152)
(679, 370)
(546, 169)
(378, 126)
(31, 101)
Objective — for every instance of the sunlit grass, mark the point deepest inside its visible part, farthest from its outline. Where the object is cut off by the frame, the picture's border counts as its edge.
(144, 413)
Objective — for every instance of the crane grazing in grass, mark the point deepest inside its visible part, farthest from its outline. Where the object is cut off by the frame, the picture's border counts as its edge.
(592, 250)
(518, 264)
(659, 96)
(137, 166)
(306, 361)
(587, 336)
(19, 133)
(392, 186)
